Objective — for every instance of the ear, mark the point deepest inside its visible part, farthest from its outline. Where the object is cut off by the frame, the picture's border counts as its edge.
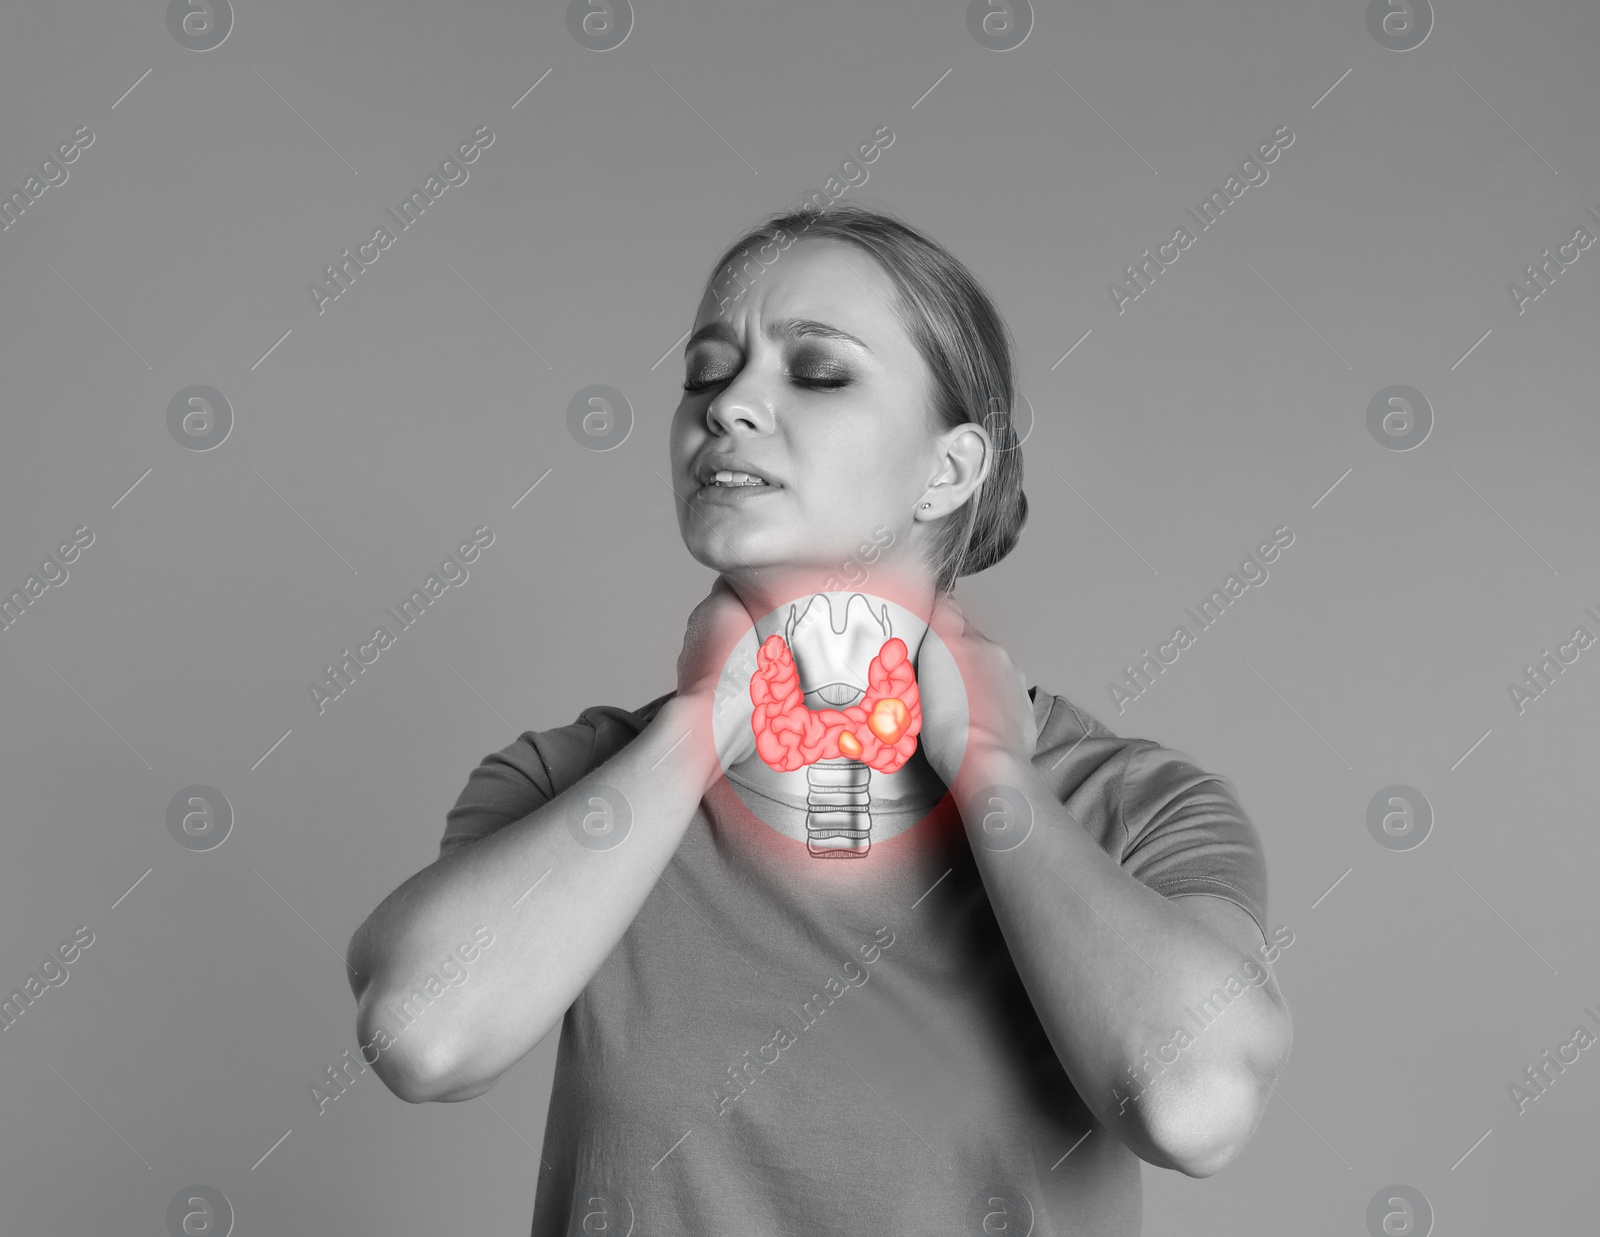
(964, 456)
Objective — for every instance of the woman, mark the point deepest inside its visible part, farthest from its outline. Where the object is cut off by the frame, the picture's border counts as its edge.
(966, 992)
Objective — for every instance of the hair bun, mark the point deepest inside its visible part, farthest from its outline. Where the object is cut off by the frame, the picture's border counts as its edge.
(1013, 529)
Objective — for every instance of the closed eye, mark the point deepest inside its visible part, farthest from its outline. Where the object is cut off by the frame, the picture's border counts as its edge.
(813, 384)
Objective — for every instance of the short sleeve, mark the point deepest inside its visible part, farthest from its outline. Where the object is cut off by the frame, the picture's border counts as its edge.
(509, 784)
(1184, 832)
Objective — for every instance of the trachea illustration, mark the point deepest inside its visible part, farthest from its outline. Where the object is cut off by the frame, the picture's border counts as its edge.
(860, 674)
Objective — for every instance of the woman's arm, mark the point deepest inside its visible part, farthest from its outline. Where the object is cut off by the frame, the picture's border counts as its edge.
(1112, 968)
(548, 944)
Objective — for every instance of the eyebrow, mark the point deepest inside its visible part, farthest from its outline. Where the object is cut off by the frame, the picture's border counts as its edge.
(780, 328)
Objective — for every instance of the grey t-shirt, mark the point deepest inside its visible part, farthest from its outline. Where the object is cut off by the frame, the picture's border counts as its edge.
(781, 1045)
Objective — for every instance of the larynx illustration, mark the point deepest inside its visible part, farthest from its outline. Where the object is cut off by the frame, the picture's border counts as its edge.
(838, 699)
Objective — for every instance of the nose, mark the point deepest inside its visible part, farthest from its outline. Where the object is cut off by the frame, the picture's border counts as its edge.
(739, 405)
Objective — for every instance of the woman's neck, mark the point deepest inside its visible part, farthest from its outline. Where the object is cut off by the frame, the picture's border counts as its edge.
(768, 593)
(913, 780)
(832, 637)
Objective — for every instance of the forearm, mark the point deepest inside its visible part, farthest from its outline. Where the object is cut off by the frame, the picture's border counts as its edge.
(1112, 968)
(556, 907)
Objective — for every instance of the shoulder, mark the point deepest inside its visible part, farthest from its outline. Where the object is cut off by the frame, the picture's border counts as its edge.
(540, 764)
(1075, 747)
(1070, 734)
(1059, 718)
(1129, 783)
(609, 728)
(598, 733)
(1177, 827)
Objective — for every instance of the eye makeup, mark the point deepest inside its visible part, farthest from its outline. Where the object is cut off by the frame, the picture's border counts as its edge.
(811, 369)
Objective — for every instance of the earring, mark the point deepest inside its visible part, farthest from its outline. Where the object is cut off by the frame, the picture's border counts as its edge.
(925, 506)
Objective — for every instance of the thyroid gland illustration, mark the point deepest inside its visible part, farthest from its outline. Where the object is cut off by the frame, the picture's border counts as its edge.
(850, 729)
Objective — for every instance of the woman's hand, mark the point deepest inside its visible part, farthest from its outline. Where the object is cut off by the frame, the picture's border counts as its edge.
(999, 714)
(715, 667)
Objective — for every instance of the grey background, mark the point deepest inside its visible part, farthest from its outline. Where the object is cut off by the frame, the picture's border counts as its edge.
(426, 401)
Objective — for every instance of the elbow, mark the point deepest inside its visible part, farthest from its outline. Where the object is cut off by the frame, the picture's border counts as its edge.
(405, 1068)
(361, 960)
(1208, 1119)
(426, 1077)
(408, 1077)
(423, 1071)
(1204, 1130)
(413, 1067)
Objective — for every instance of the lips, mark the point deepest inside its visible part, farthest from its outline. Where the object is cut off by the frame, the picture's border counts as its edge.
(736, 493)
(707, 469)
